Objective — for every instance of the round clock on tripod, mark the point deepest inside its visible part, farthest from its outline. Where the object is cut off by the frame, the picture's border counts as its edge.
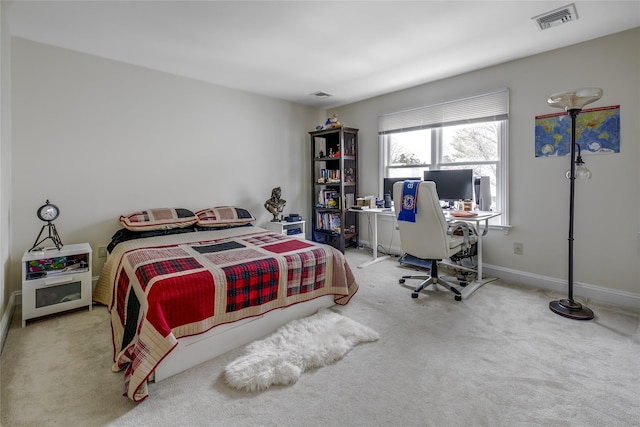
(48, 212)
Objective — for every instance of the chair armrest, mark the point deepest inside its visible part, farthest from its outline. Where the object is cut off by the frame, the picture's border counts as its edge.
(466, 231)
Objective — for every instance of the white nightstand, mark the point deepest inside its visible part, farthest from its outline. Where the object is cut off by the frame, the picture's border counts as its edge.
(55, 280)
(291, 229)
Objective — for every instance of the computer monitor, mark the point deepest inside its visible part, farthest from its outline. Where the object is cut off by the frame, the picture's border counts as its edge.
(388, 183)
(452, 184)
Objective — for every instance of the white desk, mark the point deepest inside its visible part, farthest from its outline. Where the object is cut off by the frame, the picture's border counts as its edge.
(480, 224)
(375, 212)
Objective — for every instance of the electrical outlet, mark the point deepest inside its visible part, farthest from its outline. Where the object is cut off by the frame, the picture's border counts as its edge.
(517, 248)
(102, 251)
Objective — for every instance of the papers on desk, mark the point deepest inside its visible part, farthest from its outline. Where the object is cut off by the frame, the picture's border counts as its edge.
(463, 214)
(360, 208)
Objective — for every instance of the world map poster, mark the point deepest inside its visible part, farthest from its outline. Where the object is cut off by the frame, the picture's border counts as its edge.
(597, 131)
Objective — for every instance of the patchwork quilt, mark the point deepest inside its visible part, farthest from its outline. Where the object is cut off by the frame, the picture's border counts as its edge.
(162, 288)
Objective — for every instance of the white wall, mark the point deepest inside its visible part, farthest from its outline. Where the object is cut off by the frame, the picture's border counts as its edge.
(607, 243)
(101, 138)
(5, 170)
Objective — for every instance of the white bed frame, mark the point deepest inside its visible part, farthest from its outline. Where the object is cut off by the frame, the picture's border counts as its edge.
(194, 350)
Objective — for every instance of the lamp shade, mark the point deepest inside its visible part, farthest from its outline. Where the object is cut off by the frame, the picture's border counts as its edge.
(575, 99)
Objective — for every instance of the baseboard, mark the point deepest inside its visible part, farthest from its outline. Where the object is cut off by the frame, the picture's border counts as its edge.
(5, 322)
(622, 299)
(626, 300)
(582, 291)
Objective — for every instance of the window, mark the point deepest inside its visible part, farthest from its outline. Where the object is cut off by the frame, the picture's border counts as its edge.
(470, 133)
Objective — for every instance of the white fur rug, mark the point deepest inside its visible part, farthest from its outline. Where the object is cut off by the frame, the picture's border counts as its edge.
(307, 343)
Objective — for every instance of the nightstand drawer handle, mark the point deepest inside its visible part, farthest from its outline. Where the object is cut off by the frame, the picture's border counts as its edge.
(59, 281)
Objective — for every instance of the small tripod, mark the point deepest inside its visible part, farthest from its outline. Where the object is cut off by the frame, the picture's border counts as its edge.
(53, 235)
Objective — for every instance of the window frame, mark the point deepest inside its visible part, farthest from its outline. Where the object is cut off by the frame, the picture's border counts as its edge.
(502, 163)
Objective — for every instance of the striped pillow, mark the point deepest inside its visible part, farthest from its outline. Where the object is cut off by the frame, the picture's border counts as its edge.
(158, 219)
(223, 216)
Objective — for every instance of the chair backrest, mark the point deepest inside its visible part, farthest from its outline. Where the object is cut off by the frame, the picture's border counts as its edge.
(427, 237)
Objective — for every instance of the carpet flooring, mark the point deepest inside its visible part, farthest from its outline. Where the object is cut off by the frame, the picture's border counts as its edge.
(499, 358)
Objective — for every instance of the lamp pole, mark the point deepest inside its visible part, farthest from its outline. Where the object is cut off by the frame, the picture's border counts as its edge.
(568, 307)
(572, 102)
(572, 195)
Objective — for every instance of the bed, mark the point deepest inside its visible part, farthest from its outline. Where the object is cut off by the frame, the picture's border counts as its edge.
(182, 297)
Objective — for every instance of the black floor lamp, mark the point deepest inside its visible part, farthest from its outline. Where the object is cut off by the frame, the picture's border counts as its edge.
(572, 102)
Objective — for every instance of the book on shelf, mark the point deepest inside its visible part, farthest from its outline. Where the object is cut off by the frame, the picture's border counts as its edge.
(329, 221)
(335, 222)
(328, 176)
(349, 200)
(328, 199)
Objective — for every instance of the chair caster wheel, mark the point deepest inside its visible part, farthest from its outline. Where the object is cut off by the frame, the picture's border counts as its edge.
(401, 281)
(414, 295)
(458, 298)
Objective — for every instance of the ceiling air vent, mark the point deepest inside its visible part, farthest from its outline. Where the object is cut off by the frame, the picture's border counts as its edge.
(322, 94)
(557, 17)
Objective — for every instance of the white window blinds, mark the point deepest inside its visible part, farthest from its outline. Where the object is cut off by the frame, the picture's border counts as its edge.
(480, 108)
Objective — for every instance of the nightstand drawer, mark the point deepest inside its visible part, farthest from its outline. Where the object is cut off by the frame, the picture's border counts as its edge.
(50, 295)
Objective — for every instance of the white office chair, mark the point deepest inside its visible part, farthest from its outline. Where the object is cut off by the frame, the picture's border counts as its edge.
(431, 237)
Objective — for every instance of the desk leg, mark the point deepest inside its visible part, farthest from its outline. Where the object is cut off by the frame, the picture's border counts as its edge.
(376, 258)
(480, 280)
